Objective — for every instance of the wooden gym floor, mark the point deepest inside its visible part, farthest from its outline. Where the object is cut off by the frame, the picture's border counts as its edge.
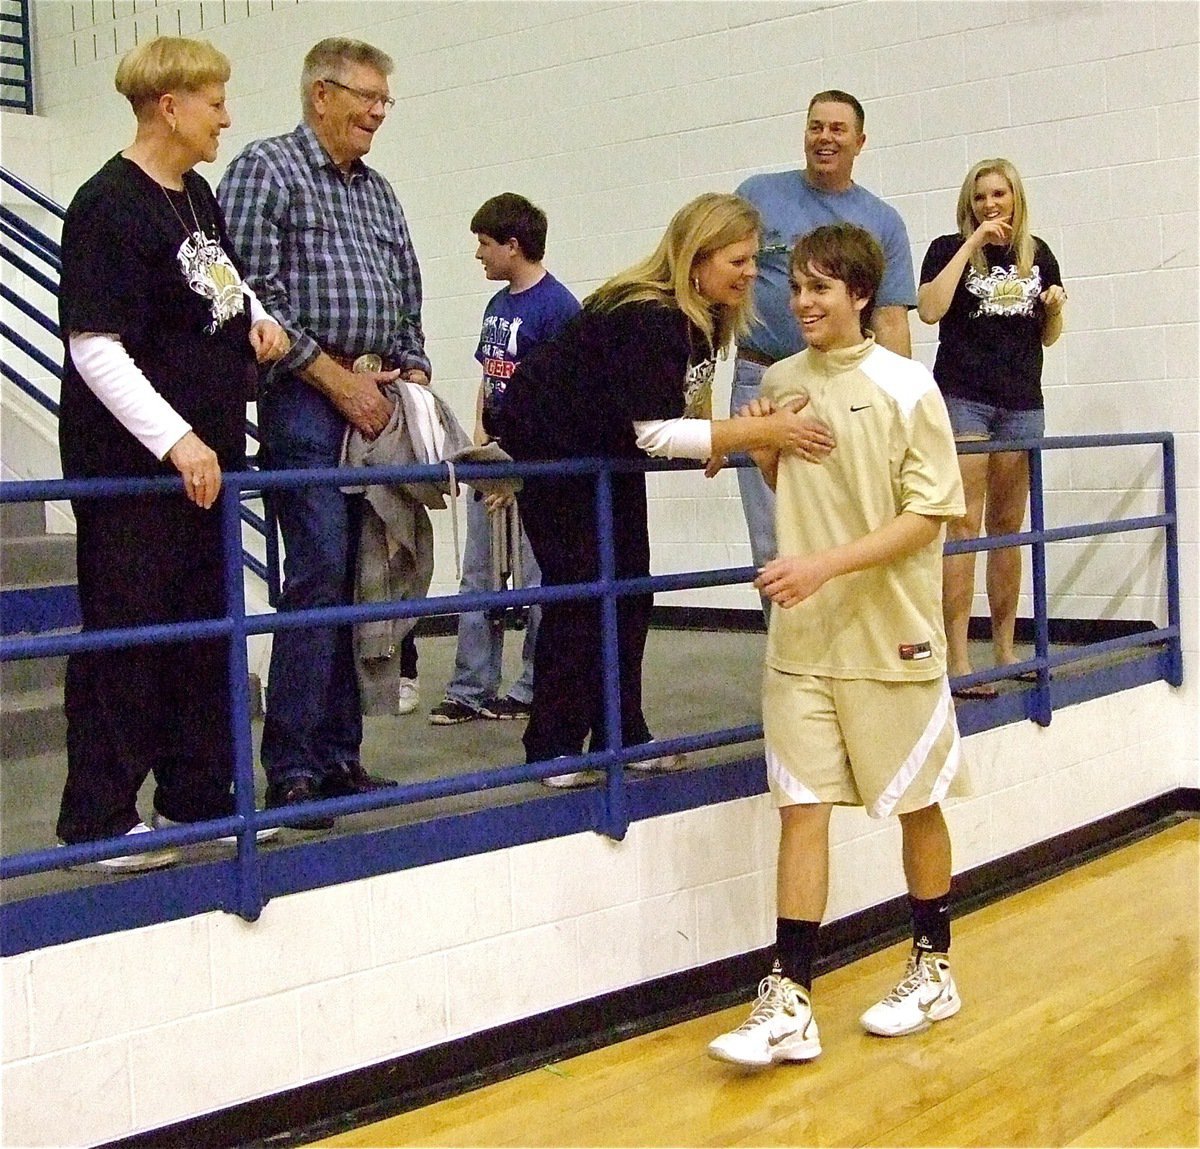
(1079, 1027)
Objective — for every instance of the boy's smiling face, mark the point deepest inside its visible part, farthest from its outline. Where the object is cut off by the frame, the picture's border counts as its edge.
(498, 258)
(829, 315)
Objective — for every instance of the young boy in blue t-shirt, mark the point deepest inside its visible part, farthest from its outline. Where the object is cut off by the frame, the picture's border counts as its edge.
(534, 306)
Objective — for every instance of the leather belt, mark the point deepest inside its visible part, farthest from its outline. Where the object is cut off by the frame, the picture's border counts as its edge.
(752, 356)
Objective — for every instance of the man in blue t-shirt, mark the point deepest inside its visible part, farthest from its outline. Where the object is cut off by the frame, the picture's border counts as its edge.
(792, 204)
(533, 307)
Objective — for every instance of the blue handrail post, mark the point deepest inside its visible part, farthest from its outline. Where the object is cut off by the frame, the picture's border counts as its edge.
(1170, 507)
(249, 878)
(615, 816)
(1040, 706)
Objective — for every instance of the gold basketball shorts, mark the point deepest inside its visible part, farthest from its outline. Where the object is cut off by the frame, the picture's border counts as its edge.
(890, 747)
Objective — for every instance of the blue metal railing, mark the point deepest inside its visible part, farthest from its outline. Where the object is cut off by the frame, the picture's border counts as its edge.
(237, 626)
(16, 91)
(1039, 535)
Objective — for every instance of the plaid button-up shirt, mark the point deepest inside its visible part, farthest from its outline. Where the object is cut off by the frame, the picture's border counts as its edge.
(328, 255)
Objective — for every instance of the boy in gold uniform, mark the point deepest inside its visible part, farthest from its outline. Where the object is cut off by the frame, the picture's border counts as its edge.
(856, 702)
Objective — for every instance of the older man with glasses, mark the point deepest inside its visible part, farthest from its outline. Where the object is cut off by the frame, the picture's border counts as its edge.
(326, 247)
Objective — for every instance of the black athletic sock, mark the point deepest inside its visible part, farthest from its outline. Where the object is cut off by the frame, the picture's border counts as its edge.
(796, 948)
(931, 923)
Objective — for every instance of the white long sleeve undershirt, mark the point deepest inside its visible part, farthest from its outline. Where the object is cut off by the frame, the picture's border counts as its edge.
(121, 385)
(675, 438)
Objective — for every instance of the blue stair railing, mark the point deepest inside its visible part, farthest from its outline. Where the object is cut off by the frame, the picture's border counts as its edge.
(16, 60)
(38, 258)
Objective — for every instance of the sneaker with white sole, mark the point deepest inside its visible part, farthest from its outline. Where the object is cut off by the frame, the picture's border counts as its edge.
(506, 709)
(162, 822)
(451, 712)
(575, 780)
(925, 994)
(780, 1027)
(408, 696)
(132, 863)
(667, 764)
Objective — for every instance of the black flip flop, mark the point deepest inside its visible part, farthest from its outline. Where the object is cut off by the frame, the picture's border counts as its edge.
(980, 690)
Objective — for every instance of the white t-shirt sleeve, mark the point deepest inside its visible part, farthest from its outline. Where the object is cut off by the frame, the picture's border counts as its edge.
(675, 438)
(119, 383)
(257, 310)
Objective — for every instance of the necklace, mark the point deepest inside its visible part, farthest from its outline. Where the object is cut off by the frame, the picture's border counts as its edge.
(192, 206)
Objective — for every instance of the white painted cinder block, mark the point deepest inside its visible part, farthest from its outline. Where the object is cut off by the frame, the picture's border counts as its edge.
(248, 1047)
(173, 962)
(427, 910)
(15, 1042)
(314, 935)
(554, 879)
(79, 1096)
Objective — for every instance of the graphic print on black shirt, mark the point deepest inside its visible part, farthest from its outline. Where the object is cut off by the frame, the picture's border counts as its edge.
(211, 275)
(697, 389)
(1004, 292)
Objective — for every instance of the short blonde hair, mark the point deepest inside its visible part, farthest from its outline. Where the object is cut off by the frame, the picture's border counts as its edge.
(168, 64)
(1021, 244)
(698, 229)
(327, 58)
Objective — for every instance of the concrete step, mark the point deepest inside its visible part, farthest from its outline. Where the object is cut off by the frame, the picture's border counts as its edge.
(37, 560)
(32, 674)
(32, 719)
(34, 722)
(18, 519)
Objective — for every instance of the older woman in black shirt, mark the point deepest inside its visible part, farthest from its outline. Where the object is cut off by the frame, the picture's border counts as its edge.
(161, 341)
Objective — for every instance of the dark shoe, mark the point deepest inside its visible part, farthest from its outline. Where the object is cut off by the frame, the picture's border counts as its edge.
(448, 712)
(348, 778)
(296, 792)
(505, 709)
(981, 690)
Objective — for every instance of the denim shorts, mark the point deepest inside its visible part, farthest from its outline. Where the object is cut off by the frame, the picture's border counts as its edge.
(974, 420)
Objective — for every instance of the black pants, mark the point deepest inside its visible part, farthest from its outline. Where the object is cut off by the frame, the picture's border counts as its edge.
(147, 709)
(568, 699)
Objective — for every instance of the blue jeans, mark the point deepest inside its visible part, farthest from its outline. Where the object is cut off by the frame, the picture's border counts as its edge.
(972, 419)
(758, 500)
(477, 661)
(313, 718)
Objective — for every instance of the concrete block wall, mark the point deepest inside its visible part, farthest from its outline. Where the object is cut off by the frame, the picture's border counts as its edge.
(339, 978)
(611, 115)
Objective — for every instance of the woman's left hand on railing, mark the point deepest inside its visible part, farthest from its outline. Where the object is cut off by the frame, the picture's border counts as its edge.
(197, 462)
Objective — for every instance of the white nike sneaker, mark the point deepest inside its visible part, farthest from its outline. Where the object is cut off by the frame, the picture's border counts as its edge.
(925, 994)
(780, 1027)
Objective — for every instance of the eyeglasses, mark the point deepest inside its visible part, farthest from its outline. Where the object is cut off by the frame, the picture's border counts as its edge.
(368, 98)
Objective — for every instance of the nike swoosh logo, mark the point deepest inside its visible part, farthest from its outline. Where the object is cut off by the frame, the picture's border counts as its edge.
(862, 408)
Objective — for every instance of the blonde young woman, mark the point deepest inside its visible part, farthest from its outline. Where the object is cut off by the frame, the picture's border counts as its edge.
(631, 375)
(996, 292)
(161, 339)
